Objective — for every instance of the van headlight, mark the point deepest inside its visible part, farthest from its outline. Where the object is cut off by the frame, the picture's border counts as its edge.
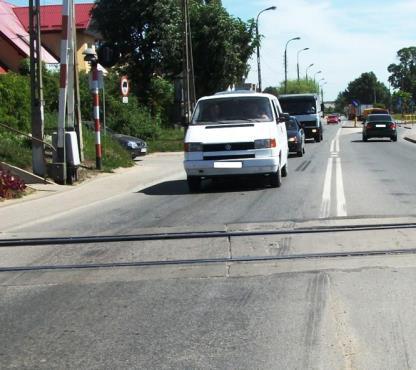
(264, 143)
(193, 147)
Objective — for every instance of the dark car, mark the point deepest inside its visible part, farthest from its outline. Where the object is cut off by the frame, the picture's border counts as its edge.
(379, 125)
(295, 136)
(134, 145)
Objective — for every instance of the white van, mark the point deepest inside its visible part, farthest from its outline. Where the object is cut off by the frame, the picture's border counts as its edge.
(236, 133)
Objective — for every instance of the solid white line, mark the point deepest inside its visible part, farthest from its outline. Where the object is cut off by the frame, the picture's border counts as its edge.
(326, 194)
(341, 203)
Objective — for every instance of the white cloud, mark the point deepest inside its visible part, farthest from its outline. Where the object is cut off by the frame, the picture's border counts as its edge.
(344, 41)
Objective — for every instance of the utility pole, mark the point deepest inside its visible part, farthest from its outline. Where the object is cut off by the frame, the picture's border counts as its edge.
(189, 95)
(78, 120)
(36, 90)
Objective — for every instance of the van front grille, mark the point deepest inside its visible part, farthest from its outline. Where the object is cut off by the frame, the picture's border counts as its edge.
(224, 147)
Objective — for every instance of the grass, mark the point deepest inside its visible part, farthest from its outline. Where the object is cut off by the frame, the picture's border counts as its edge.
(15, 150)
(170, 140)
(114, 156)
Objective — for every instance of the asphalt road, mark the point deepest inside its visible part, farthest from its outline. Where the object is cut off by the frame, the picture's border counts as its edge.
(310, 313)
(339, 177)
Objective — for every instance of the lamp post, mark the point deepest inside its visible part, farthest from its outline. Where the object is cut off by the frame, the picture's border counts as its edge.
(318, 83)
(295, 38)
(258, 44)
(310, 65)
(299, 51)
(322, 98)
(316, 74)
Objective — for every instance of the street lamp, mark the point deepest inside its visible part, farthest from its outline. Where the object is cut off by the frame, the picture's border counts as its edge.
(295, 38)
(310, 65)
(258, 44)
(322, 98)
(298, 59)
(316, 74)
(318, 83)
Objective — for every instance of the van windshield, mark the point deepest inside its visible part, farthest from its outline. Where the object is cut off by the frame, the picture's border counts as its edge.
(233, 109)
(298, 106)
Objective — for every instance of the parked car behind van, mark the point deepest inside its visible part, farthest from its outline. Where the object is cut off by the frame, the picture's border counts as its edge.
(236, 133)
(295, 136)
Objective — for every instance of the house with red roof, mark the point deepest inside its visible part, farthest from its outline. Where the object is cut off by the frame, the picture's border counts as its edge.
(14, 37)
(14, 41)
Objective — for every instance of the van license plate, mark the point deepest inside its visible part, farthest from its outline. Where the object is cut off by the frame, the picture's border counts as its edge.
(228, 164)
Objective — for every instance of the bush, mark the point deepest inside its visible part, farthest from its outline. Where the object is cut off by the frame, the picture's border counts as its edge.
(10, 186)
(161, 99)
(132, 119)
(15, 98)
(114, 155)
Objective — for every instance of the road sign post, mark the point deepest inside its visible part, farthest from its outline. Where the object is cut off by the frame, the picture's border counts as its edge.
(124, 88)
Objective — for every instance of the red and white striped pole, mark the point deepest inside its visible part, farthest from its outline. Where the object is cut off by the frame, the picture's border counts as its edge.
(96, 112)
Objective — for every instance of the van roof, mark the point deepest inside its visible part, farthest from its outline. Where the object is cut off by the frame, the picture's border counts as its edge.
(297, 95)
(240, 93)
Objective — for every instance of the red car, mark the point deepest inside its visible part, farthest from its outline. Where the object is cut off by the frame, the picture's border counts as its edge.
(332, 118)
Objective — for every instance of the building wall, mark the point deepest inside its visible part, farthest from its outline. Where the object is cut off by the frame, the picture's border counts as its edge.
(9, 56)
(52, 41)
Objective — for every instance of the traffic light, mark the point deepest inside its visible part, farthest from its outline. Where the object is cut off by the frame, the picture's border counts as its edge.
(108, 55)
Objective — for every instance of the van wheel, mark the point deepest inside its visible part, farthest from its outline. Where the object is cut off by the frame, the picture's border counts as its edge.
(284, 170)
(318, 138)
(194, 183)
(276, 179)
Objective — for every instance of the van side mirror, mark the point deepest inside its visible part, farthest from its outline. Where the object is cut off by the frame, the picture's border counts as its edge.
(284, 117)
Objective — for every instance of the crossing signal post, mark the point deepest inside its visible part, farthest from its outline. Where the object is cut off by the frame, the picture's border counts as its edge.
(91, 57)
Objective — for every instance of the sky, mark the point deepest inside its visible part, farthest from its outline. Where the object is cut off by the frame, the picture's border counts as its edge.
(346, 38)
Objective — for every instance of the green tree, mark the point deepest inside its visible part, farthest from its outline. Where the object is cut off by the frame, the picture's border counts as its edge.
(402, 101)
(222, 46)
(367, 90)
(341, 102)
(294, 87)
(403, 74)
(148, 35)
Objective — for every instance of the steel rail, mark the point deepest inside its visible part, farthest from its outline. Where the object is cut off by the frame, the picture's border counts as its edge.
(21, 242)
(204, 261)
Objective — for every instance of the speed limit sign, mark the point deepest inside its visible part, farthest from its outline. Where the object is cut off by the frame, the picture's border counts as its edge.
(124, 86)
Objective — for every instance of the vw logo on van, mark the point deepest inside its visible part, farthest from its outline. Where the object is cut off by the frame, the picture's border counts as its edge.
(227, 146)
